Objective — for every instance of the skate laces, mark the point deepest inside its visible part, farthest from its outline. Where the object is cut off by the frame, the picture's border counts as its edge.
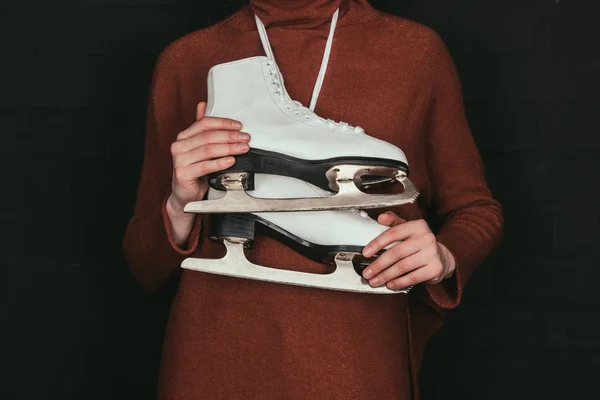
(295, 107)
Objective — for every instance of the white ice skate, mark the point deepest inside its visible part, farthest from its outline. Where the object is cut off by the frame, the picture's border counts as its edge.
(332, 237)
(290, 139)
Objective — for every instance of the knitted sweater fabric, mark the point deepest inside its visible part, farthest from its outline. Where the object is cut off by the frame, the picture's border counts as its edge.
(231, 338)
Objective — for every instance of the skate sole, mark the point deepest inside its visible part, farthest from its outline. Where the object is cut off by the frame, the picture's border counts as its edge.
(237, 233)
(235, 264)
(313, 171)
(348, 196)
(245, 226)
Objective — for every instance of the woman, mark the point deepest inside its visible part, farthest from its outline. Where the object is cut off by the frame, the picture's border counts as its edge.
(230, 338)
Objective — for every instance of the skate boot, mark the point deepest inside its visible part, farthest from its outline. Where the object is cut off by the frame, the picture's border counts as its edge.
(331, 237)
(290, 139)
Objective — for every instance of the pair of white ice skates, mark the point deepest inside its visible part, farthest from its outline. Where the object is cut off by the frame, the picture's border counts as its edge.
(300, 181)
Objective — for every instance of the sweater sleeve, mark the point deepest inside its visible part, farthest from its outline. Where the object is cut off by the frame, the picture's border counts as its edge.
(472, 220)
(148, 245)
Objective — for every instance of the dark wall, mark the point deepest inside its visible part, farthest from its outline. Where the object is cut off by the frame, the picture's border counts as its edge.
(74, 79)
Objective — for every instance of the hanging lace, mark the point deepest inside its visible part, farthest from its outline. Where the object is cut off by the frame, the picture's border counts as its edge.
(294, 106)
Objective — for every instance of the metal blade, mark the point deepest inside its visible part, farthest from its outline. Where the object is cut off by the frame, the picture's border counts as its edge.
(235, 264)
(349, 196)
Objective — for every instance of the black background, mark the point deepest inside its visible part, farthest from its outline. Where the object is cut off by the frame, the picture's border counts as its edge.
(74, 80)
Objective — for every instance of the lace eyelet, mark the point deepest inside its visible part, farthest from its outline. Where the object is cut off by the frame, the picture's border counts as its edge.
(307, 117)
(297, 113)
(288, 107)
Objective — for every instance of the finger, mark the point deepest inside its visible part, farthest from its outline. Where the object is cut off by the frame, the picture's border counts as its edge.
(210, 124)
(210, 152)
(204, 138)
(415, 277)
(390, 219)
(398, 269)
(392, 255)
(197, 170)
(395, 234)
(200, 110)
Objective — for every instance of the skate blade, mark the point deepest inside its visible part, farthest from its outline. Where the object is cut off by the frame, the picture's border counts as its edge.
(235, 264)
(349, 196)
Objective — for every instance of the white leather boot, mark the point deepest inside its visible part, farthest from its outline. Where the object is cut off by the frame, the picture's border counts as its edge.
(290, 139)
(332, 237)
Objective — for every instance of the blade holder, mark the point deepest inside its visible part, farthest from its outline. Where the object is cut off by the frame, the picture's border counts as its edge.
(345, 174)
(235, 181)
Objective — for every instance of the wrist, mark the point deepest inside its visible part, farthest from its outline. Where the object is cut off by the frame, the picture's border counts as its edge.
(175, 210)
(447, 260)
(180, 223)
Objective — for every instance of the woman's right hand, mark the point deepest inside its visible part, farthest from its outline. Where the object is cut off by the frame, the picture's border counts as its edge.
(207, 146)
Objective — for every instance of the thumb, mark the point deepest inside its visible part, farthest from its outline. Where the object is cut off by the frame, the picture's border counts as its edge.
(200, 110)
(390, 219)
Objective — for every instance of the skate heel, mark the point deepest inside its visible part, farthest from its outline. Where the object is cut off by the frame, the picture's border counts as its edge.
(243, 164)
(233, 226)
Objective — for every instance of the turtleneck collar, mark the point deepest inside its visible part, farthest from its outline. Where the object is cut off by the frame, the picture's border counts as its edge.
(298, 14)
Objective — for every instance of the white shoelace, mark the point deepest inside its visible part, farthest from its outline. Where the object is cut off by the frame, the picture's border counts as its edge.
(324, 62)
(298, 109)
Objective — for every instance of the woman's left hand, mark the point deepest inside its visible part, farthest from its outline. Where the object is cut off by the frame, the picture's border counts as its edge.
(417, 258)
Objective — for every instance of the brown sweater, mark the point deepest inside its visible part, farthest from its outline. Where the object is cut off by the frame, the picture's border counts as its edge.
(229, 338)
